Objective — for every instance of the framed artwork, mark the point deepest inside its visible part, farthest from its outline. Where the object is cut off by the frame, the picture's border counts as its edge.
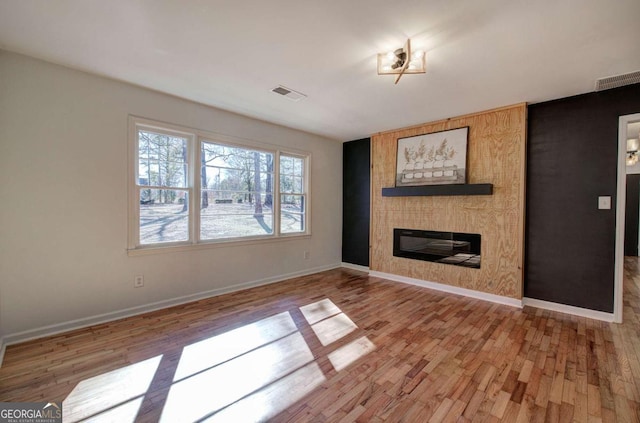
(439, 158)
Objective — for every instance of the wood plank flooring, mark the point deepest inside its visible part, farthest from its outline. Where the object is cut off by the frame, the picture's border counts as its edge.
(339, 346)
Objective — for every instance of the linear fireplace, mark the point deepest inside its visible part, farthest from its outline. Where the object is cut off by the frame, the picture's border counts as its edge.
(459, 249)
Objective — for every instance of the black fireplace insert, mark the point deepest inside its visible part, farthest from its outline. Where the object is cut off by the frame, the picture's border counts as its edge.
(459, 249)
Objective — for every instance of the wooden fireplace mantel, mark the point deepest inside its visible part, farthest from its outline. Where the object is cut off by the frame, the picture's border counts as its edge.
(427, 190)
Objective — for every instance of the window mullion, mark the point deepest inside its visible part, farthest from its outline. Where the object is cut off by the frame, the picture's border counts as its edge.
(132, 191)
(136, 227)
(194, 183)
(276, 194)
(164, 187)
(306, 186)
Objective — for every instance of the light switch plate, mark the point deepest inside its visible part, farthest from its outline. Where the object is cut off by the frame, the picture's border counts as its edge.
(604, 202)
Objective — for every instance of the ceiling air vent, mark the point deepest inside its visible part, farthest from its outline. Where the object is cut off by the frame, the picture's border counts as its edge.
(292, 95)
(617, 81)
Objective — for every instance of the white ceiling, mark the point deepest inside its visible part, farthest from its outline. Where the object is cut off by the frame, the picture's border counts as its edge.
(229, 54)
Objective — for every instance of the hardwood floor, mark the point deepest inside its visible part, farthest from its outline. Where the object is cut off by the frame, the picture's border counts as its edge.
(339, 346)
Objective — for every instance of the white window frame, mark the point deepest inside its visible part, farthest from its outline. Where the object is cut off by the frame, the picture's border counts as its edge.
(195, 138)
(304, 193)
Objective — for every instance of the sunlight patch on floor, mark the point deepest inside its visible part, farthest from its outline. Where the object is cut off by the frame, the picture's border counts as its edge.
(118, 392)
(330, 330)
(319, 310)
(250, 373)
(273, 398)
(207, 392)
(351, 352)
(218, 349)
(124, 413)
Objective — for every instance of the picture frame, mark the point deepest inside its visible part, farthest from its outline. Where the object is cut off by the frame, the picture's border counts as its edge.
(438, 158)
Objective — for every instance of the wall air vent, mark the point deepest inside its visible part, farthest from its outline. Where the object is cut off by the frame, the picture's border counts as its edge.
(292, 95)
(617, 81)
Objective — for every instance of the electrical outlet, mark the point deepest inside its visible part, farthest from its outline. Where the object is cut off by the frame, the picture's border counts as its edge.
(604, 202)
(138, 281)
(306, 255)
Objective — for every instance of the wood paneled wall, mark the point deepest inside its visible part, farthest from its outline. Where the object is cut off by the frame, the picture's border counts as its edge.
(496, 154)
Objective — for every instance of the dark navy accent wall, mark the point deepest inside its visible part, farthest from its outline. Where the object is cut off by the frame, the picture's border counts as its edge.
(571, 160)
(356, 201)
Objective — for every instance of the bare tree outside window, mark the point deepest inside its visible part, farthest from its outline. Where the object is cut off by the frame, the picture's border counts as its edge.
(235, 189)
(236, 186)
(164, 203)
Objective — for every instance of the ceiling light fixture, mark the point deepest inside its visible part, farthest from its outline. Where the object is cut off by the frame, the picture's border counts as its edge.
(633, 145)
(401, 61)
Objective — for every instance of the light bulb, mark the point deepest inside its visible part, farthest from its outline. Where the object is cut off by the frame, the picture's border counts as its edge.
(417, 55)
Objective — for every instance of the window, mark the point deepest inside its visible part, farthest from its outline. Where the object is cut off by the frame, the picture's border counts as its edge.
(292, 196)
(236, 192)
(191, 187)
(162, 187)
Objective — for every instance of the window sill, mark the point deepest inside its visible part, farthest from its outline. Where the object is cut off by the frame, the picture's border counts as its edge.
(144, 251)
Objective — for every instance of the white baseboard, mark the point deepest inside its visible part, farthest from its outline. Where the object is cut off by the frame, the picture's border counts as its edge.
(567, 309)
(133, 311)
(513, 302)
(355, 267)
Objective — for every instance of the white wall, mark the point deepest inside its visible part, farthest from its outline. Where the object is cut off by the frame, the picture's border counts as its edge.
(633, 169)
(63, 219)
